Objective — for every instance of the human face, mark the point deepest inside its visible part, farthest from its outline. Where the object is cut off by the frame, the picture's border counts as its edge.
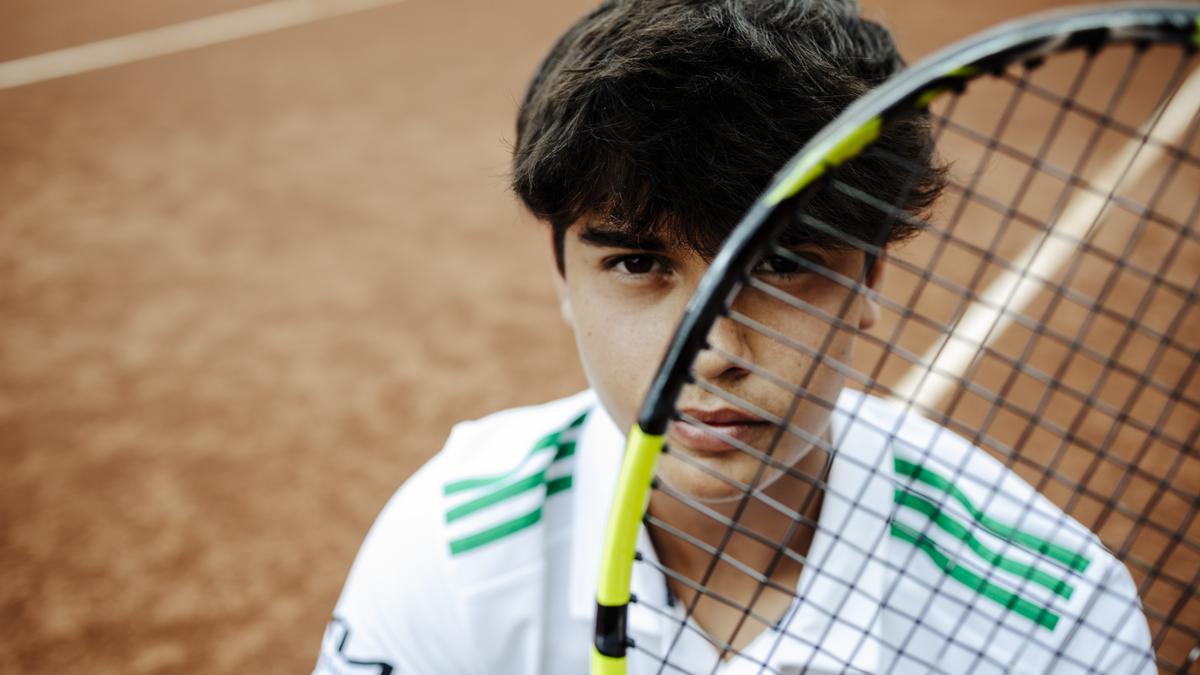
(624, 295)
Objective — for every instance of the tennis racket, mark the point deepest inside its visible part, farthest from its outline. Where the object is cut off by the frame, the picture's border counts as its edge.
(892, 499)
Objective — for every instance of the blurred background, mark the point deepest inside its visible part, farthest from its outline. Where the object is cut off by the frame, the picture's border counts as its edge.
(250, 273)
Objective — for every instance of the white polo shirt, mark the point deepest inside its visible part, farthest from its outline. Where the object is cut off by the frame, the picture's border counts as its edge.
(930, 556)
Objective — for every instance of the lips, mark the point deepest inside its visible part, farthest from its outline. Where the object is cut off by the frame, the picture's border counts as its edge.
(729, 422)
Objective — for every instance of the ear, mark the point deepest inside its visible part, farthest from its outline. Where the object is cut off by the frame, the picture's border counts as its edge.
(560, 286)
(870, 311)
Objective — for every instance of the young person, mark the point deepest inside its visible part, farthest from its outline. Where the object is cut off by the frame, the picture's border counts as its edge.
(644, 136)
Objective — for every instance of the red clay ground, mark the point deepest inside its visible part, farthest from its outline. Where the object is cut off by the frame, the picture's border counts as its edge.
(244, 291)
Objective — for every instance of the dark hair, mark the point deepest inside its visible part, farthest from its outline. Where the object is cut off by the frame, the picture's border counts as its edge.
(670, 116)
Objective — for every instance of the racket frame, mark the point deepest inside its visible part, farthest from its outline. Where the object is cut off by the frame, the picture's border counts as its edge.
(1026, 40)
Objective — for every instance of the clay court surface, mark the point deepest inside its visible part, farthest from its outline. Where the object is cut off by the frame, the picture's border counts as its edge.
(244, 291)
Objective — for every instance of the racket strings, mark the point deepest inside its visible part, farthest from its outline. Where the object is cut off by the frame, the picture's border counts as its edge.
(749, 493)
(1110, 505)
(1096, 117)
(780, 545)
(725, 558)
(1008, 212)
(787, 469)
(738, 527)
(1108, 446)
(1053, 383)
(827, 575)
(1084, 247)
(944, 122)
(1015, 363)
(1132, 467)
(796, 399)
(1083, 184)
(1121, 413)
(1142, 382)
(777, 625)
(1123, 341)
(783, 427)
(655, 522)
(973, 295)
(1173, 619)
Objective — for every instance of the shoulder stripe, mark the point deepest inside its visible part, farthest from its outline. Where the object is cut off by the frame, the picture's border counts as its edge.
(548, 442)
(548, 476)
(1072, 559)
(957, 530)
(510, 490)
(1038, 614)
(491, 534)
(513, 489)
(556, 485)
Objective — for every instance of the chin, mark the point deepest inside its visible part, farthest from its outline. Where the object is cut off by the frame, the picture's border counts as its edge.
(706, 487)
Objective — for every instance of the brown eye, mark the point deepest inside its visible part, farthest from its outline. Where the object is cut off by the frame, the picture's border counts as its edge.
(777, 264)
(637, 264)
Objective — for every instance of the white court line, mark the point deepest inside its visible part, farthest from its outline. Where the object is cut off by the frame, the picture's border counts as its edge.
(264, 18)
(989, 317)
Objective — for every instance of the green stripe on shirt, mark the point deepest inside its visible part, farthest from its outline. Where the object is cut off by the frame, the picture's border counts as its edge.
(959, 531)
(1040, 615)
(504, 491)
(464, 544)
(550, 441)
(511, 490)
(1075, 560)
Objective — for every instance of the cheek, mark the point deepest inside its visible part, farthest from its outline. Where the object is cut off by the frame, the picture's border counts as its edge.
(817, 351)
(620, 351)
(837, 335)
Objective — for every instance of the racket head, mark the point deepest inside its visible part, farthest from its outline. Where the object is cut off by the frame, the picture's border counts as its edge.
(1012, 53)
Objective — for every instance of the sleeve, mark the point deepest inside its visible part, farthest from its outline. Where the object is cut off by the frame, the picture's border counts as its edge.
(1131, 649)
(1112, 634)
(397, 614)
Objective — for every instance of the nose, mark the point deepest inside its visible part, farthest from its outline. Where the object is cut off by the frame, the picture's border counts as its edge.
(728, 348)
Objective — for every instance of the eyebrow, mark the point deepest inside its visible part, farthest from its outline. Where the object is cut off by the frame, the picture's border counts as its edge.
(611, 238)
